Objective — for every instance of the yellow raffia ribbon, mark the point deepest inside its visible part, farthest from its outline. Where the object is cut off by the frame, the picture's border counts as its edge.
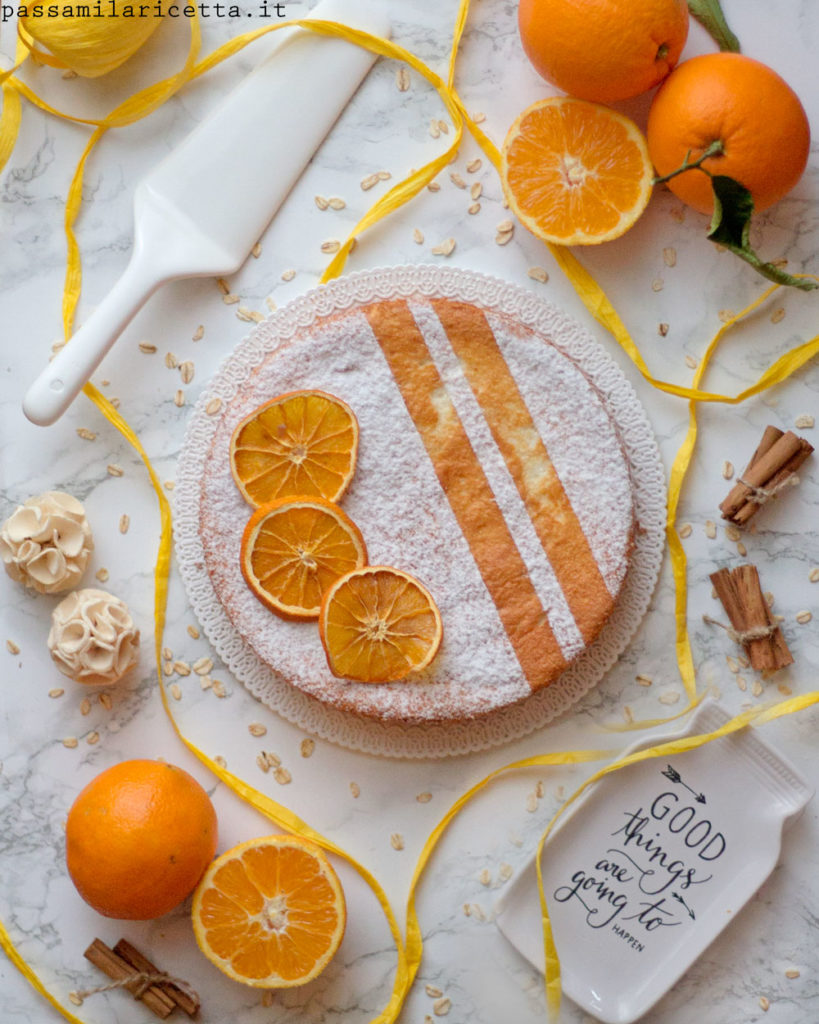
(409, 955)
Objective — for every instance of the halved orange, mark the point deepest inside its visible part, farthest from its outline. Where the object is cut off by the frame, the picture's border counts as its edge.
(294, 548)
(575, 173)
(304, 442)
(270, 912)
(378, 625)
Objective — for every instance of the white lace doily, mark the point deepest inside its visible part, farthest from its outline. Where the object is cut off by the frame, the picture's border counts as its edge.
(435, 739)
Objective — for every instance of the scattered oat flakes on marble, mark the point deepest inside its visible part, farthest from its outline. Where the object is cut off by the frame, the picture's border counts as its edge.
(218, 688)
(181, 667)
(733, 664)
(478, 117)
(756, 688)
(670, 256)
(147, 347)
(813, 575)
(710, 529)
(267, 998)
(691, 362)
(213, 406)
(384, 175)
(402, 78)
(288, 275)
(539, 789)
(179, 398)
(791, 973)
(187, 370)
(445, 248)
(784, 689)
(476, 190)
(424, 798)
(205, 682)
(686, 530)
(273, 760)
(457, 180)
(261, 761)
(86, 434)
(732, 532)
(657, 284)
(56, 692)
(742, 683)
(71, 742)
(778, 315)
(220, 761)
(474, 165)
(473, 208)
(628, 714)
(741, 549)
(433, 991)
(12, 647)
(244, 314)
(538, 274)
(230, 300)
(355, 789)
(769, 598)
(804, 616)
(727, 470)
(336, 203)
(223, 286)
(199, 333)
(434, 186)
(662, 330)
(202, 666)
(505, 872)
(443, 127)
(124, 523)
(106, 701)
(804, 422)
(115, 470)
(442, 1006)
(644, 680)
(74, 997)
(282, 776)
(92, 738)
(504, 238)
(171, 361)
(531, 803)
(257, 729)
(307, 746)
(193, 632)
(102, 574)
(485, 877)
(331, 245)
(321, 202)
(368, 182)
(764, 1003)
(397, 841)
(85, 706)
(669, 697)
(726, 315)
(256, 251)
(418, 236)
(434, 130)
(176, 691)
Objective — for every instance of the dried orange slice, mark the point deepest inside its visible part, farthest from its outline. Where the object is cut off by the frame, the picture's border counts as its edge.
(575, 173)
(270, 912)
(294, 548)
(304, 442)
(379, 624)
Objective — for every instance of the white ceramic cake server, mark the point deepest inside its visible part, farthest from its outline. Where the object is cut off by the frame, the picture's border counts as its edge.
(201, 210)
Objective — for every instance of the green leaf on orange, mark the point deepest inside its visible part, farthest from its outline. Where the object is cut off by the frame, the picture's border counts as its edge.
(709, 14)
(731, 225)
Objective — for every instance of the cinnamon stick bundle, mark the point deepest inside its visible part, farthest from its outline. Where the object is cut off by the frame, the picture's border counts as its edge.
(777, 457)
(129, 969)
(752, 623)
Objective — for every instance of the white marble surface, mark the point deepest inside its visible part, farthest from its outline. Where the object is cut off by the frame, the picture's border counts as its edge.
(464, 956)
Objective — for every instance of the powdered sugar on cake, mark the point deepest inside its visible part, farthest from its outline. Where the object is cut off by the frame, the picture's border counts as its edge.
(398, 503)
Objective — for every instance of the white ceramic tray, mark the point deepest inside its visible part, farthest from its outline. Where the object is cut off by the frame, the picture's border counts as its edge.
(652, 863)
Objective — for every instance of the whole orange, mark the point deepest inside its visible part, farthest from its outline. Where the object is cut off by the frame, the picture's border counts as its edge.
(746, 106)
(138, 839)
(603, 50)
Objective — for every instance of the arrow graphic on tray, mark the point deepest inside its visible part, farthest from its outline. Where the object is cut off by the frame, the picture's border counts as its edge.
(679, 899)
(674, 776)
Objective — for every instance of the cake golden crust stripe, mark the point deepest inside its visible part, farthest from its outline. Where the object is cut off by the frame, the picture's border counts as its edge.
(529, 464)
(468, 492)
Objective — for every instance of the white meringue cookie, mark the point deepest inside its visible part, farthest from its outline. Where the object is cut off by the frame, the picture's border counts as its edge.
(46, 542)
(93, 638)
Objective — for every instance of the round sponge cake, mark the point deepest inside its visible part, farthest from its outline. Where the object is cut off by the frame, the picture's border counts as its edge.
(489, 467)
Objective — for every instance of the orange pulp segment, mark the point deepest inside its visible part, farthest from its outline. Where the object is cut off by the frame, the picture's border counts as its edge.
(379, 624)
(304, 442)
(575, 173)
(270, 912)
(294, 548)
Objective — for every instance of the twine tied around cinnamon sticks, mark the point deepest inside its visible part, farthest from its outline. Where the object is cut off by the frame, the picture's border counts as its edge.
(159, 991)
(771, 469)
(752, 624)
